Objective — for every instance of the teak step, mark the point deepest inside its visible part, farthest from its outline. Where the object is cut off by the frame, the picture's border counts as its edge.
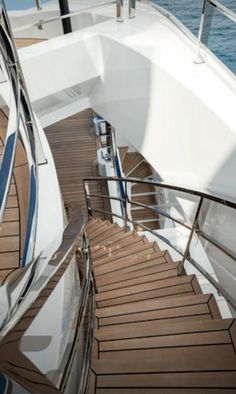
(103, 265)
(160, 329)
(131, 263)
(143, 170)
(141, 276)
(161, 335)
(100, 228)
(119, 378)
(90, 224)
(131, 161)
(108, 237)
(156, 332)
(191, 307)
(122, 152)
(111, 240)
(129, 242)
(104, 234)
(155, 289)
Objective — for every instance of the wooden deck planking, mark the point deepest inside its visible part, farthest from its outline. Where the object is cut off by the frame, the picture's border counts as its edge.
(74, 152)
(25, 42)
(10, 234)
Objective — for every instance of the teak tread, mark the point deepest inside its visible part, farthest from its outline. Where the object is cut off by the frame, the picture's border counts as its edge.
(156, 332)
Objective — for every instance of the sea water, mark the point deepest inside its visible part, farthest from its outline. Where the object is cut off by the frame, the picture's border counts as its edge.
(222, 38)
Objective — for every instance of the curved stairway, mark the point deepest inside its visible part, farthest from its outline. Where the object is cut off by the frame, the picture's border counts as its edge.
(156, 332)
(134, 165)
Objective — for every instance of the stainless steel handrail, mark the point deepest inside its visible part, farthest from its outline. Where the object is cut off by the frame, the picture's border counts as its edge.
(205, 23)
(38, 4)
(223, 9)
(186, 255)
(198, 41)
(119, 13)
(220, 200)
(22, 116)
(61, 17)
(87, 293)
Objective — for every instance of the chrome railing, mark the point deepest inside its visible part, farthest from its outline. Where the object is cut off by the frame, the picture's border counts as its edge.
(38, 4)
(21, 126)
(206, 20)
(119, 13)
(193, 228)
(209, 6)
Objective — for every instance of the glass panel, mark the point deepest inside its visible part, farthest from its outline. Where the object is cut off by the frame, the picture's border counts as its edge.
(222, 33)
(47, 342)
(222, 37)
(224, 269)
(179, 205)
(218, 222)
(187, 11)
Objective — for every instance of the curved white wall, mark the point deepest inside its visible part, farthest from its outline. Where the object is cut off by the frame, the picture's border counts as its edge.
(186, 139)
(179, 114)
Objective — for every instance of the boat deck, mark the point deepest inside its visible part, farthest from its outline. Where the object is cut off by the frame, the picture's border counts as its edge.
(74, 150)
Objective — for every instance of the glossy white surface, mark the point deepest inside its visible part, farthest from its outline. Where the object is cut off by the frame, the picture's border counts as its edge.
(178, 114)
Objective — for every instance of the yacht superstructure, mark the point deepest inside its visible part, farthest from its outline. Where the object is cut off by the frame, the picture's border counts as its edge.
(117, 260)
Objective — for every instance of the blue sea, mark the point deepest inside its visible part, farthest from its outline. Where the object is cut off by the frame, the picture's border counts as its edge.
(222, 39)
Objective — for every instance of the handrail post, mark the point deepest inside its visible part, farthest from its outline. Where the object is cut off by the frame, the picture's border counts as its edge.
(126, 207)
(194, 226)
(119, 10)
(204, 29)
(132, 8)
(38, 4)
(66, 22)
(87, 199)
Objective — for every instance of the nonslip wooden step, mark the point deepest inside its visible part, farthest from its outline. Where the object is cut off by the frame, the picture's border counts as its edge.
(226, 387)
(102, 265)
(143, 170)
(161, 329)
(144, 275)
(189, 307)
(122, 152)
(130, 242)
(100, 228)
(91, 223)
(156, 332)
(170, 287)
(189, 382)
(129, 264)
(104, 235)
(113, 239)
(131, 161)
(161, 335)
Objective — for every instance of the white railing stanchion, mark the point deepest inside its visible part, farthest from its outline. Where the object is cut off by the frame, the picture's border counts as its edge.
(132, 8)
(120, 10)
(38, 5)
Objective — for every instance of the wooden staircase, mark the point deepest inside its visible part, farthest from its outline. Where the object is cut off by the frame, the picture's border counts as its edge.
(134, 165)
(155, 330)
